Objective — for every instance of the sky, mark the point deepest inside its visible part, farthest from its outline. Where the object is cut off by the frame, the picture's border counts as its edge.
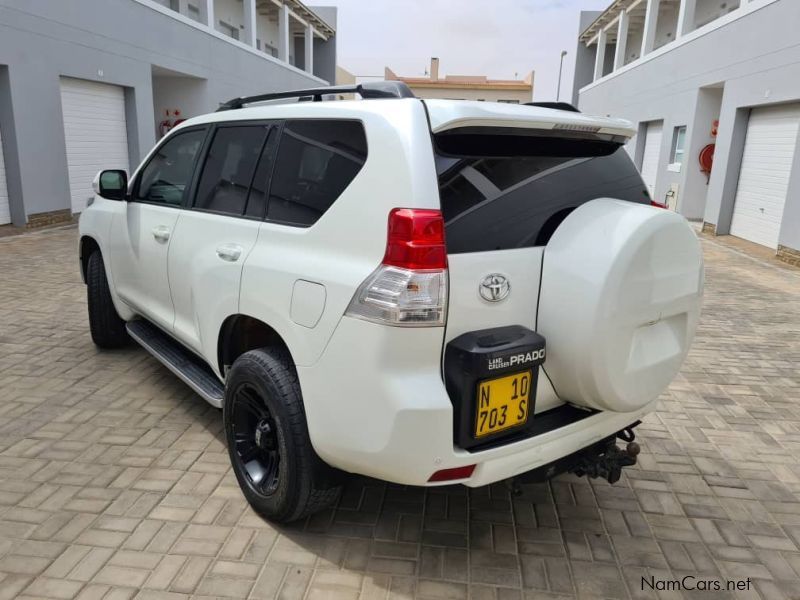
(496, 38)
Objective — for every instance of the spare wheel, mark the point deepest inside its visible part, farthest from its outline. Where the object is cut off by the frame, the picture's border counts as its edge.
(621, 291)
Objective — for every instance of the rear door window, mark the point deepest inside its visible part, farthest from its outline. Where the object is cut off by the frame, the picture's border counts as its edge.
(317, 159)
(507, 192)
(229, 168)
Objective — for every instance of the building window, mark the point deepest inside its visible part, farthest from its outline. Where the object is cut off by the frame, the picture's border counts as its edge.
(229, 30)
(509, 101)
(678, 141)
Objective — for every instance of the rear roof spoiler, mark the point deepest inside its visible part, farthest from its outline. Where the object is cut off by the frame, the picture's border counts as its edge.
(368, 91)
(554, 105)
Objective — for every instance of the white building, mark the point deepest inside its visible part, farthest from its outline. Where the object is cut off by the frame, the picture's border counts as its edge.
(93, 84)
(692, 73)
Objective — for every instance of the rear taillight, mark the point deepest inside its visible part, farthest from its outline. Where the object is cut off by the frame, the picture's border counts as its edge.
(415, 239)
(409, 289)
(658, 204)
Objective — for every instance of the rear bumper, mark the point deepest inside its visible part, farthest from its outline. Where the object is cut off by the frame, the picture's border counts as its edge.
(388, 415)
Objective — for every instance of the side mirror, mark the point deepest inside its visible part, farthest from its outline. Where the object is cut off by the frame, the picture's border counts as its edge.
(111, 184)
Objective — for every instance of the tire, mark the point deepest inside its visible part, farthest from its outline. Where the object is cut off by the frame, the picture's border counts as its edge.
(105, 325)
(281, 476)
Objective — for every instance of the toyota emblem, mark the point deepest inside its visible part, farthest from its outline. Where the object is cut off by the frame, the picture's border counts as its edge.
(494, 287)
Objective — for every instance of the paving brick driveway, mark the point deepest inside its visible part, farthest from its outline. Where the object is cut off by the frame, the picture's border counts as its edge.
(114, 480)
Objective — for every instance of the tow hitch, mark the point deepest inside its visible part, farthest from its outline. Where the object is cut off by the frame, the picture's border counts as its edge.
(609, 463)
(602, 459)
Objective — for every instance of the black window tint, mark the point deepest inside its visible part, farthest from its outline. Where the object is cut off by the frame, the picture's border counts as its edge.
(229, 168)
(257, 200)
(167, 174)
(317, 160)
(499, 203)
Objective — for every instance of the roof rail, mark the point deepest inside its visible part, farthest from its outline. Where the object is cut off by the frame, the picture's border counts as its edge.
(368, 90)
(554, 105)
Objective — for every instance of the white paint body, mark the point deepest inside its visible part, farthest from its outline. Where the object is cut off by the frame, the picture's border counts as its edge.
(374, 395)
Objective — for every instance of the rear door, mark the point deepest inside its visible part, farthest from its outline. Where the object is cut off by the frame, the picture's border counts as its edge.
(216, 233)
(503, 193)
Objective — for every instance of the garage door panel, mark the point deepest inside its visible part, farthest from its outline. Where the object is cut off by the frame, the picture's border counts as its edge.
(767, 159)
(5, 212)
(651, 155)
(95, 132)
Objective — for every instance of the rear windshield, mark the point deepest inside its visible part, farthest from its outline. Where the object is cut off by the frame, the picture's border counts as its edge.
(500, 192)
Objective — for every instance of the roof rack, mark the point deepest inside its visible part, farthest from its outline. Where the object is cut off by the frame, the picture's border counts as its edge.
(368, 90)
(554, 105)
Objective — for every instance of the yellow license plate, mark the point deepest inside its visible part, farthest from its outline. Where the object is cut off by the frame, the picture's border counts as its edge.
(503, 403)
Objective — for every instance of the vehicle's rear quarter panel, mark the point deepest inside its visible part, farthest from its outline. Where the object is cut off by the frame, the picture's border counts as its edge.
(347, 243)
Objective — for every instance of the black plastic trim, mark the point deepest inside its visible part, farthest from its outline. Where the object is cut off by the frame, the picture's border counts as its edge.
(554, 105)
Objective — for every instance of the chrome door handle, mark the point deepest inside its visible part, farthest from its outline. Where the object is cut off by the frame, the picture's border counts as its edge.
(229, 252)
(161, 233)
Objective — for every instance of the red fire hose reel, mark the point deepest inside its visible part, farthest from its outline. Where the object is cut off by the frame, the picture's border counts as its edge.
(167, 124)
(707, 159)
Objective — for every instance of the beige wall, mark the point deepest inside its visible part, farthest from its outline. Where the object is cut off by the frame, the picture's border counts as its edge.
(344, 77)
(472, 94)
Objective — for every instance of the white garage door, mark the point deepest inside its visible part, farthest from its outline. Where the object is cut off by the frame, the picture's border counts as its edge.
(764, 177)
(5, 215)
(94, 128)
(652, 152)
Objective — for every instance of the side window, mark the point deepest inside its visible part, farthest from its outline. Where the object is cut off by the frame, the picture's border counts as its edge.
(317, 160)
(229, 168)
(169, 171)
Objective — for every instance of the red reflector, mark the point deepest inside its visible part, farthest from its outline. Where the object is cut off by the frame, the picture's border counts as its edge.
(657, 204)
(416, 239)
(452, 474)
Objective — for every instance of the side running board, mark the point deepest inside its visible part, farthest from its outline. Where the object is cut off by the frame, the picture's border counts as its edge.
(191, 369)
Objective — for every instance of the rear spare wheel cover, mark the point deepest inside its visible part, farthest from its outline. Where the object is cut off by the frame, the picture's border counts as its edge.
(622, 287)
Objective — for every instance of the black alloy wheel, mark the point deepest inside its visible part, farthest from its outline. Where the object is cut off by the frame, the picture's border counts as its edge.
(255, 436)
(281, 476)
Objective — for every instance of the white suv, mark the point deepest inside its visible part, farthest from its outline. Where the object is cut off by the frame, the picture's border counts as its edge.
(367, 286)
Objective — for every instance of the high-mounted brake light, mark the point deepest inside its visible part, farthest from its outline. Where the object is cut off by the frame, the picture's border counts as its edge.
(416, 239)
(409, 288)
